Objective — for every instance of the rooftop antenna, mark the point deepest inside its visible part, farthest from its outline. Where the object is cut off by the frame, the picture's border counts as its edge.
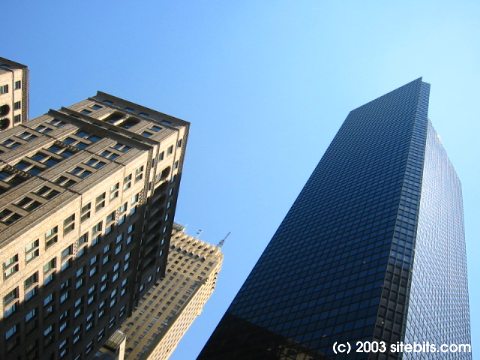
(221, 242)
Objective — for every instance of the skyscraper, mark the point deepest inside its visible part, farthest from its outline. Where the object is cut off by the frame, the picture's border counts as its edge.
(13, 93)
(372, 249)
(168, 309)
(87, 201)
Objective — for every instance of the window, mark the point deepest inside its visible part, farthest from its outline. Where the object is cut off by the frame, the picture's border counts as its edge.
(179, 143)
(97, 229)
(48, 330)
(67, 252)
(57, 123)
(17, 105)
(43, 129)
(49, 266)
(82, 239)
(97, 164)
(48, 299)
(28, 167)
(110, 217)
(121, 147)
(10, 266)
(127, 182)
(107, 154)
(139, 173)
(170, 150)
(10, 297)
(28, 204)
(18, 84)
(11, 144)
(30, 315)
(30, 293)
(9, 310)
(114, 189)
(17, 118)
(161, 156)
(155, 128)
(68, 224)
(51, 237)
(100, 202)
(10, 332)
(32, 250)
(65, 181)
(31, 280)
(96, 107)
(4, 89)
(86, 111)
(47, 192)
(85, 212)
(80, 172)
(147, 134)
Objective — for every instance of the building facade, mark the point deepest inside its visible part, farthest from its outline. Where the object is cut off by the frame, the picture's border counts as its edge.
(87, 200)
(168, 309)
(372, 249)
(13, 93)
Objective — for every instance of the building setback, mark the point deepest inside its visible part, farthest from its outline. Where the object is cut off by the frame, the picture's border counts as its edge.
(372, 249)
(168, 309)
(87, 201)
(13, 93)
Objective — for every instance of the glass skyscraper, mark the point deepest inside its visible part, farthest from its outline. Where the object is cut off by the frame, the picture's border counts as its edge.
(372, 249)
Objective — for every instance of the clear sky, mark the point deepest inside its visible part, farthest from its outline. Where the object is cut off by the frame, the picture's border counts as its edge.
(265, 85)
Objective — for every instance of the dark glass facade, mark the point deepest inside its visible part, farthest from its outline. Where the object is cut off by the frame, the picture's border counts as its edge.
(341, 266)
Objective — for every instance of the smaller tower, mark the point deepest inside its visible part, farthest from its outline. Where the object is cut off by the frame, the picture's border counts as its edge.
(13, 93)
(167, 310)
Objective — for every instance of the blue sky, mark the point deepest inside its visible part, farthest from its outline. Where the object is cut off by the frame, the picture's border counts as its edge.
(265, 85)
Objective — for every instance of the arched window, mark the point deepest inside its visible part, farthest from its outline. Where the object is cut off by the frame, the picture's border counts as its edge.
(4, 110)
(4, 123)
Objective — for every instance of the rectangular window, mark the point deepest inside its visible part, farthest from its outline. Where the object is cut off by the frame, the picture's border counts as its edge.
(51, 237)
(121, 147)
(97, 164)
(170, 150)
(127, 182)
(161, 156)
(18, 84)
(67, 252)
(11, 331)
(17, 105)
(65, 181)
(85, 212)
(47, 192)
(100, 202)
(49, 266)
(68, 224)
(155, 128)
(107, 154)
(32, 250)
(17, 118)
(139, 174)
(114, 190)
(57, 123)
(10, 266)
(27, 136)
(31, 280)
(4, 89)
(80, 172)
(10, 297)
